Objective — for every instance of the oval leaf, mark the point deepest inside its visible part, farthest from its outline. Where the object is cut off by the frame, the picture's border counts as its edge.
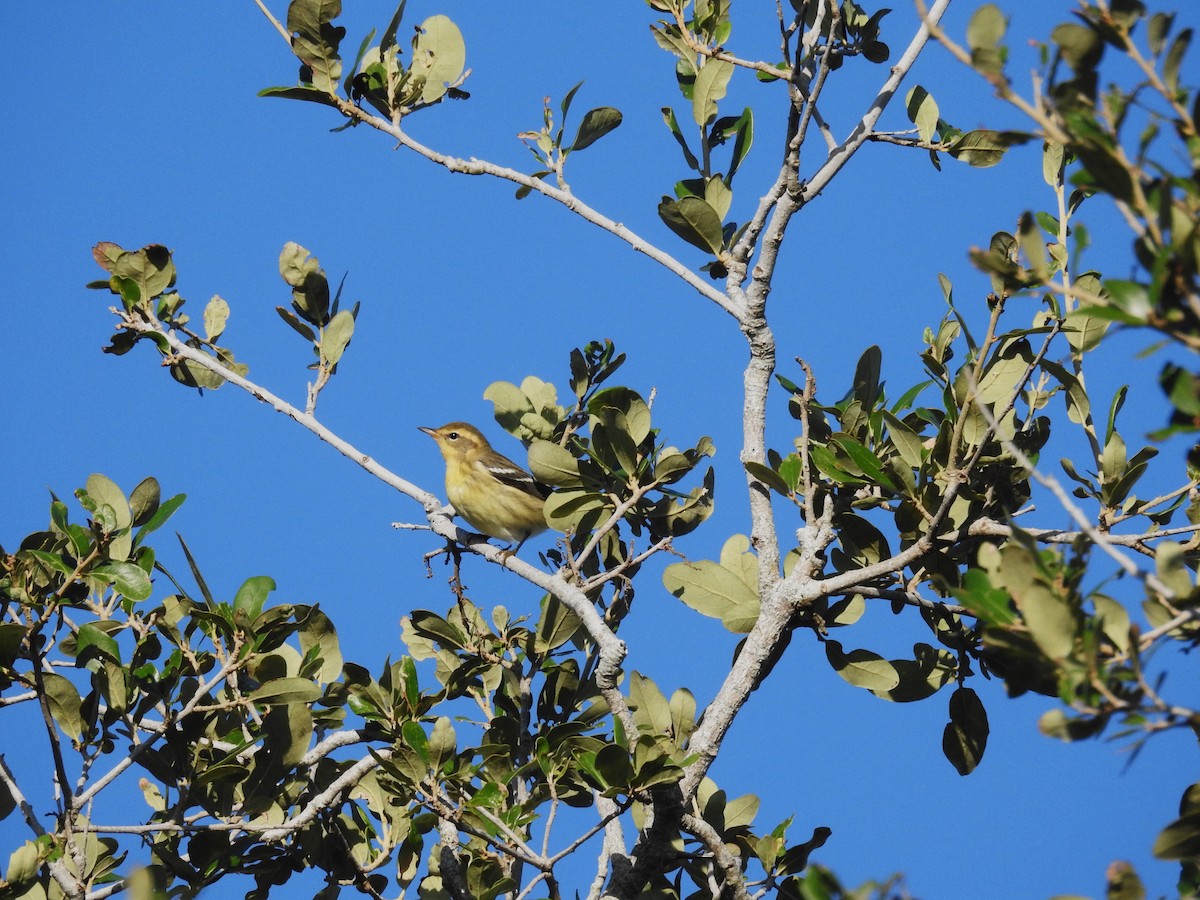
(695, 221)
(862, 668)
(286, 690)
(595, 125)
(714, 591)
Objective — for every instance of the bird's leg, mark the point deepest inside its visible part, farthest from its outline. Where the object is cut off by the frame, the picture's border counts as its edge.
(511, 551)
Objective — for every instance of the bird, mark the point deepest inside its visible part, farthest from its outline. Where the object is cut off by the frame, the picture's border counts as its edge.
(492, 493)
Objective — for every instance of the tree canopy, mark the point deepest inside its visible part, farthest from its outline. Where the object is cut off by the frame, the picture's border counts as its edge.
(781, 483)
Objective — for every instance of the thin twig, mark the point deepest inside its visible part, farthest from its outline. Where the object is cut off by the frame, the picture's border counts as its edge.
(1097, 537)
(729, 864)
(866, 125)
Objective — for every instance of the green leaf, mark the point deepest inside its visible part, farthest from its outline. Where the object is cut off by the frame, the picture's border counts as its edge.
(983, 147)
(867, 462)
(65, 703)
(565, 509)
(769, 477)
(1180, 839)
(988, 602)
(1079, 406)
(711, 83)
(11, 636)
(1085, 329)
(1157, 30)
(336, 336)
(161, 514)
(315, 41)
(928, 672)
(300, 92)
(672, 123)
(695, 221)
(1029, 236)
(742, 130)
(651, 711)
(143, 274)
(106, 493)
(1174, 59)
(1114, 621)
(91, 638)
(22, 871)
(439, 56)
(1080, 45)
(388, 38)
(553, 465)
(986, 27)
(718, 196)
(510, 405)
(683, 715)
(846, 611)
(216, 315)
(613, 766)
(595, 125)
(876, 51)
(143, 502)
(922, 111)
(862, 668)
(319, 636)
(442, 742)
(1170, 563)
(129, 580)
(965, 736)
(713, 590)
(829, 466)
(299, 327)
(252, 595)
(866, 377)
(740, 811)
(557, 625)
(1002, 378)
(286, 690)
(310, 287)
(1050, 620)
(1115, 409)
(565, 105)
(907, 442)
(1052, 162)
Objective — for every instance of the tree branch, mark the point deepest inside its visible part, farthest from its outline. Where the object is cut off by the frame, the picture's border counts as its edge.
(866, 125)
(612, 649)
(560, 195)
(723, 859)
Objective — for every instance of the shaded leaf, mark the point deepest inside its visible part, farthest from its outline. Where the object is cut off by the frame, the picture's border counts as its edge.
(695, 221)
(286, 690)
(595, 125)
(965, 737)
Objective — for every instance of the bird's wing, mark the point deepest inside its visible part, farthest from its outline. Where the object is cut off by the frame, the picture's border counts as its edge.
(508, 472)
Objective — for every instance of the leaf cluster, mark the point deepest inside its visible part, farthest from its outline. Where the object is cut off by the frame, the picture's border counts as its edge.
(379, 76)
(142, 280)
(609, 466)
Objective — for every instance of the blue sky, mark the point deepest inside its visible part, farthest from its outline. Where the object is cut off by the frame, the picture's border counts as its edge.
(141, 124)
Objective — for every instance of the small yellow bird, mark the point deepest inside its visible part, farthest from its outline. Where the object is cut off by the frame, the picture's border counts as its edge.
(492, 493)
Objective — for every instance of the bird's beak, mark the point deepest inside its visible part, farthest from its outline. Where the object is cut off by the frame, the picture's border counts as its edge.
(428, 431)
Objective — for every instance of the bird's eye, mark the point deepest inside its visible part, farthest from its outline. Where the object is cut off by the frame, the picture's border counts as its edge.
(453, 436)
